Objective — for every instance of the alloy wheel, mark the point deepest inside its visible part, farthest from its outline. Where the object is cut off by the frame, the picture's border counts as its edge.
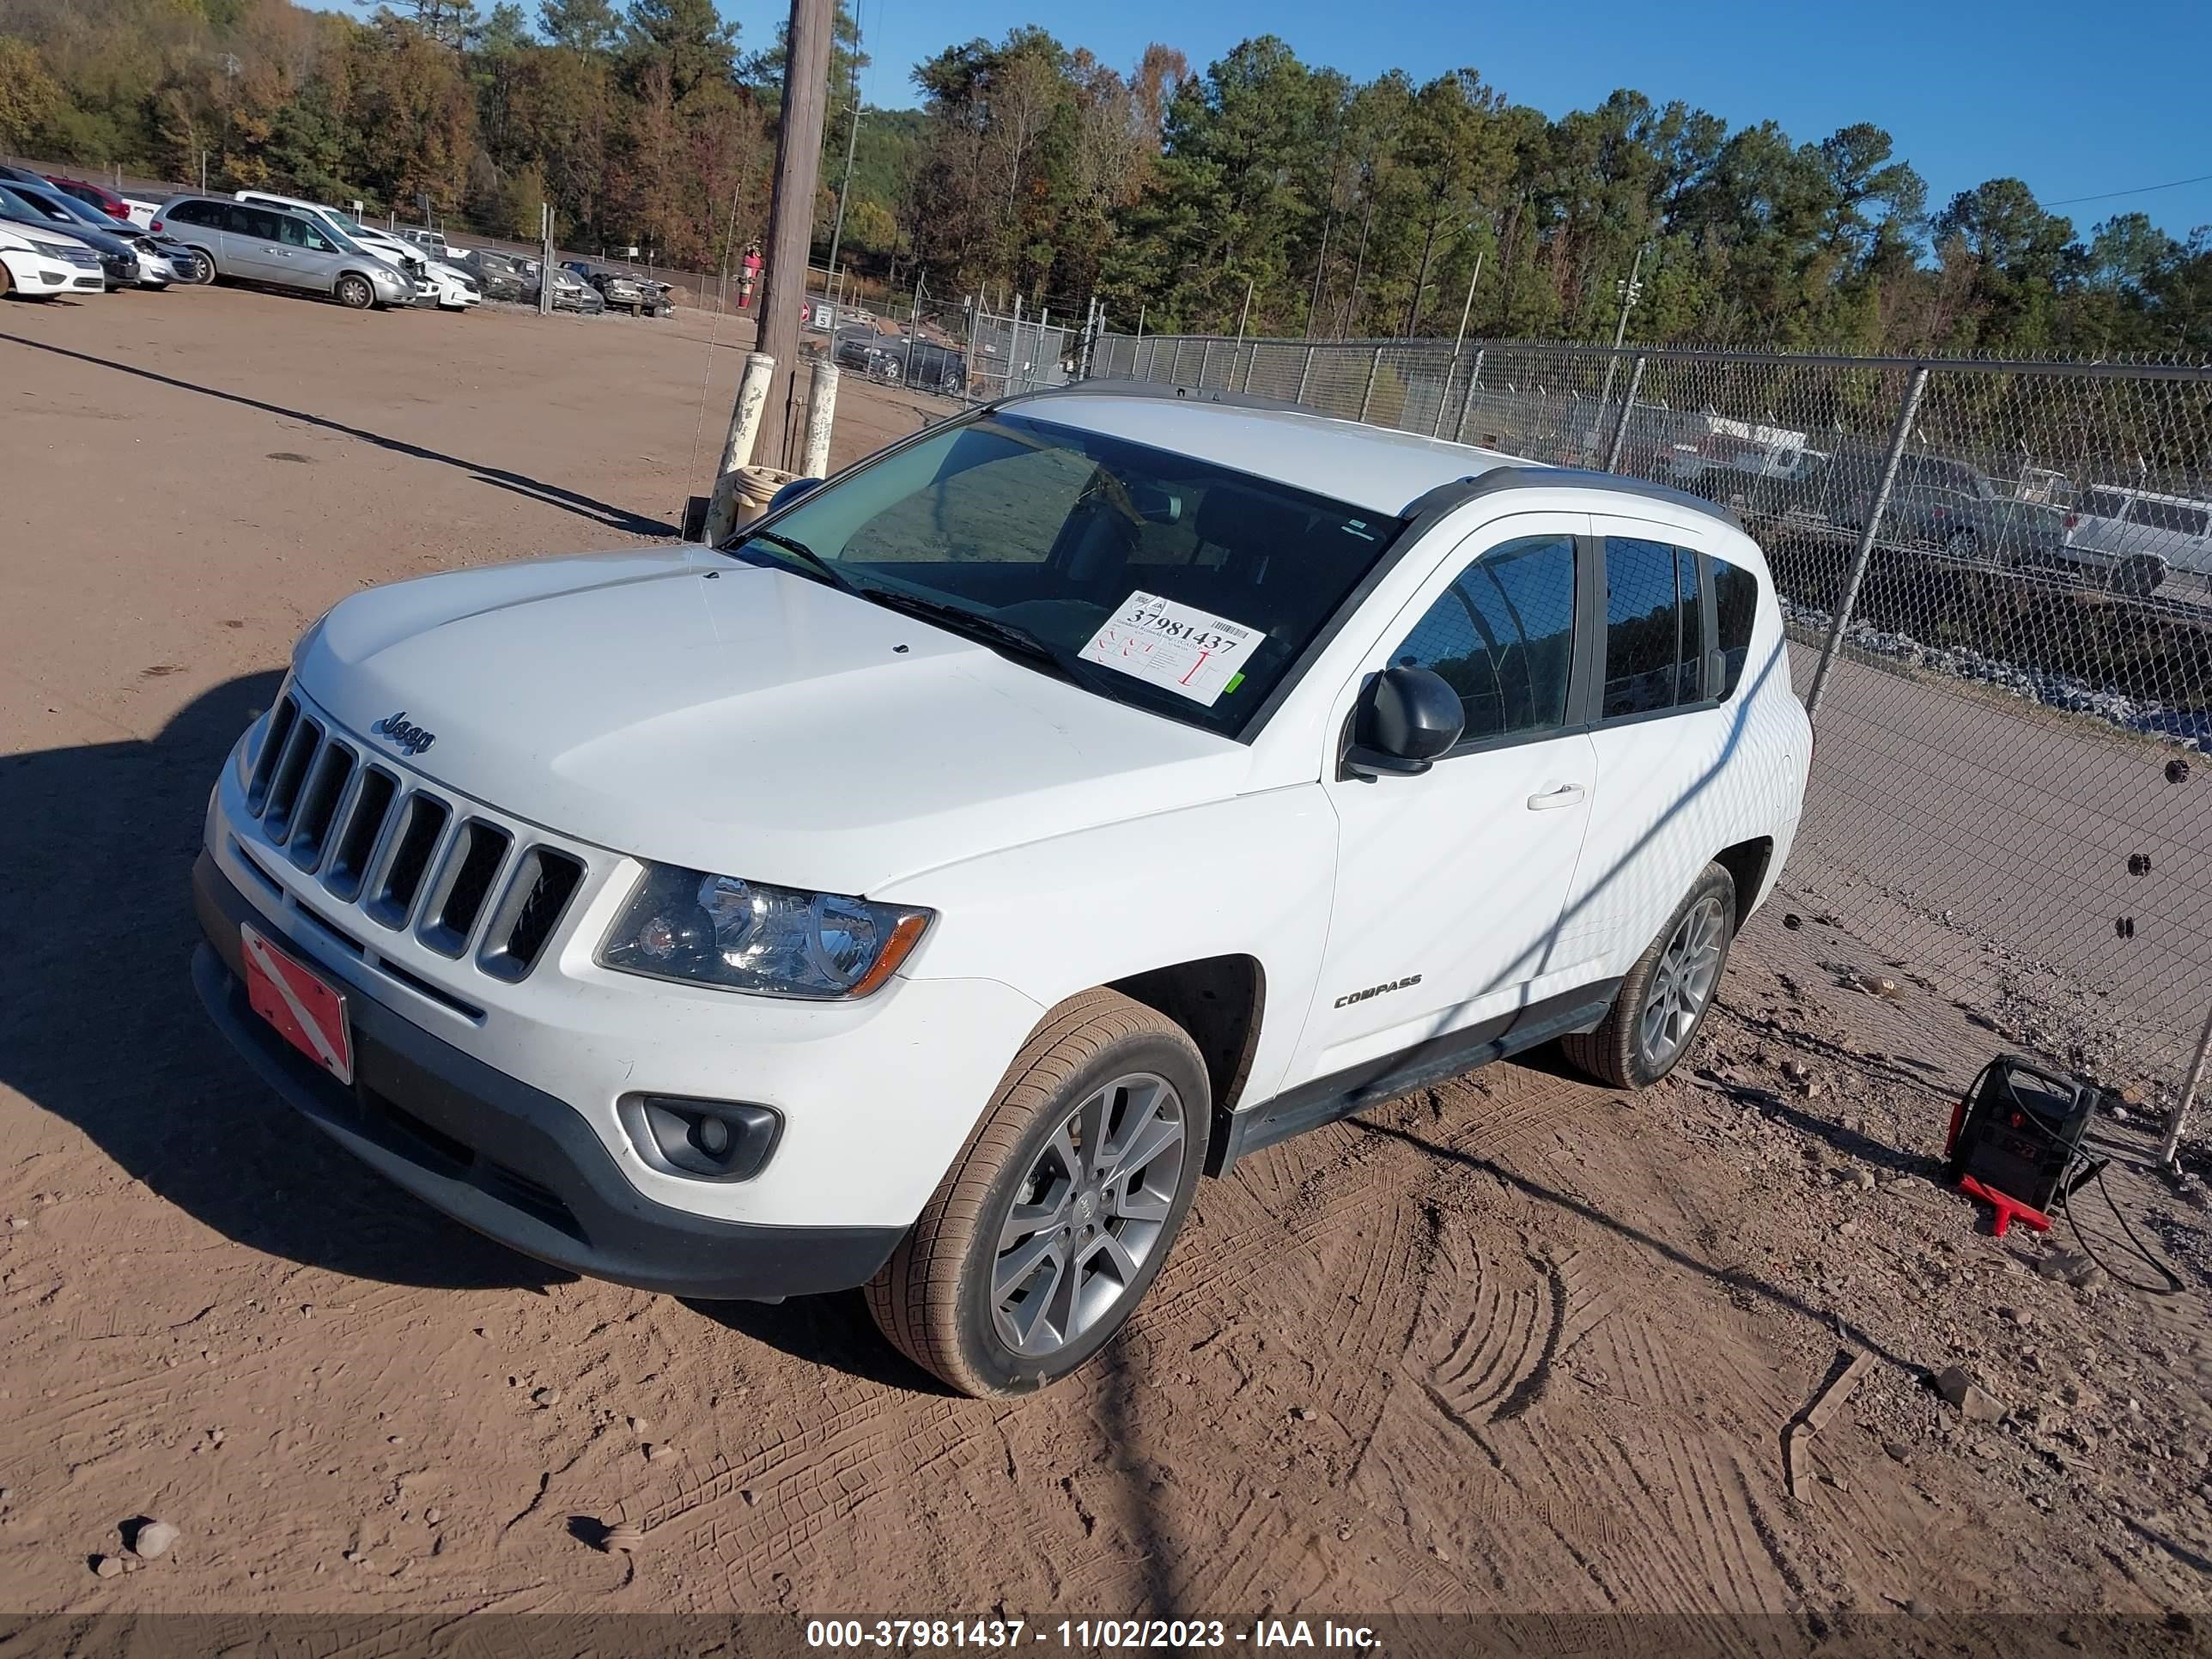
(1682, 983)
(1089, 1215)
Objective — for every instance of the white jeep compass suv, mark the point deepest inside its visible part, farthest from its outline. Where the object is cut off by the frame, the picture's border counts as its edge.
(922, 890)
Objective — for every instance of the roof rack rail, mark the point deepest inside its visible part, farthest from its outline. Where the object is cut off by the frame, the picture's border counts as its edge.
(1537, 476)
(1513, 475)
(1165, 393)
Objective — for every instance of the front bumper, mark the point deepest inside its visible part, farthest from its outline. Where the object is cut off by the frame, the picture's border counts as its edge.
(497, 1155)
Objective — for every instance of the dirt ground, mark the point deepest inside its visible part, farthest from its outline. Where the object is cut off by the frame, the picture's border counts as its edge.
(1513, 1343)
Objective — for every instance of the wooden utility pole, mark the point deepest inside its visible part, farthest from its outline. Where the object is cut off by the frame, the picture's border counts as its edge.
(791, 211)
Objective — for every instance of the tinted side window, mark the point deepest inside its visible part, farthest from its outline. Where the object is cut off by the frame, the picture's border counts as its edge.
(1735, 603)
(257, 222)
(1644, 633)
(193, 213)
(2171, 515)
(1502, 635)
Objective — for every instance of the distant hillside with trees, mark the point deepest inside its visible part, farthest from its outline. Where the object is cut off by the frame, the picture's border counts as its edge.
(1031, 166)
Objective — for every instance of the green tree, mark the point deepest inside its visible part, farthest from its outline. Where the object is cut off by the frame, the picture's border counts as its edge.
(693, 40)
(585, 26)
(29, 96)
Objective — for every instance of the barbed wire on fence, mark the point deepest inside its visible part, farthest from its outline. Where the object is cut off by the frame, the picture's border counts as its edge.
(1999, 577)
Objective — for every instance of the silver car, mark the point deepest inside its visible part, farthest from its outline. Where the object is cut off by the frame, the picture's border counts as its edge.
(249, 242)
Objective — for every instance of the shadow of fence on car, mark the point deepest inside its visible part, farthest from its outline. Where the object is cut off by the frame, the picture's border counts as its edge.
(602, 514)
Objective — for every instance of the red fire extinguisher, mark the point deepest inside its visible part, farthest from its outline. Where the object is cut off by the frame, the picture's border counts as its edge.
(747, 275)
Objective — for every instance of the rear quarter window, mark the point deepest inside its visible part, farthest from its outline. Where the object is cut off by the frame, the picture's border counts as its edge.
(1736, 607)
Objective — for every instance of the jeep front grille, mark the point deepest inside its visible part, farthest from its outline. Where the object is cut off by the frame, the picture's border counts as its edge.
(406, 855)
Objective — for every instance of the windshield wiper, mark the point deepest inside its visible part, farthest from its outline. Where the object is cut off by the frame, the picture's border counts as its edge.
(1004, 636)
(829, 573)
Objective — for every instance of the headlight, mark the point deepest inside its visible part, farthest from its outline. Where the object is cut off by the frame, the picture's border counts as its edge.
(748, 936)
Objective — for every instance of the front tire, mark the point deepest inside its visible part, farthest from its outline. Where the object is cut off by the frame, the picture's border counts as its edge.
(1059, 1212)
(354, 293)
(1662, 1003)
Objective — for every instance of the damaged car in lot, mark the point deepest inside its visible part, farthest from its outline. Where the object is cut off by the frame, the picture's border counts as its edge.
(625, 290)
(500, 275)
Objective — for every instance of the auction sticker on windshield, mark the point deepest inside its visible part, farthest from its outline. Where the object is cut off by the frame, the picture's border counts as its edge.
(1191, 652)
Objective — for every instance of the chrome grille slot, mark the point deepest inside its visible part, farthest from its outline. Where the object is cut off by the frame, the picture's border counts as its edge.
(272, 749)
(347, 835)
(356, 843)
(535, 902)
(457, 898)
(319, 804)
(423, 824)
(284, 783)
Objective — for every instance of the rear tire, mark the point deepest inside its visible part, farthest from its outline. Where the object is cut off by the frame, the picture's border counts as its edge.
(1059, 1212)
(1662, 1003)
(203, 270)
(354, 292)
(7, 281)
(2139, 576)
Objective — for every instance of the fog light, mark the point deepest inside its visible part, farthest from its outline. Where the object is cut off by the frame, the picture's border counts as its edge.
(705, 1139)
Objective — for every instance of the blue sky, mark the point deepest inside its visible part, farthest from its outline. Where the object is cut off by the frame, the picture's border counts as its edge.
(2077, 99)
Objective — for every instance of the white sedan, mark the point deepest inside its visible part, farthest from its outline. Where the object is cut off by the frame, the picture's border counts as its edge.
(42, 267)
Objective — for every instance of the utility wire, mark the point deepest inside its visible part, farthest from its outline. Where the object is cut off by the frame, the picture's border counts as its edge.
(2140, 190)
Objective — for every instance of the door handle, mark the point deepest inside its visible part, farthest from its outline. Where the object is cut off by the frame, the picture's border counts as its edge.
(1563, 794)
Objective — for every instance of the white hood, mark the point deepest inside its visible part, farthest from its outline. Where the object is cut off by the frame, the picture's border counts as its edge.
(685, 708)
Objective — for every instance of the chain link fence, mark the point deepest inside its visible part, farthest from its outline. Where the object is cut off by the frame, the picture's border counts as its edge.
(1014, 354)
(1995, 580)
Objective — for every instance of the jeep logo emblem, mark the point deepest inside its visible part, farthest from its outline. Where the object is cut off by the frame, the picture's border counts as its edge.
(413, 739)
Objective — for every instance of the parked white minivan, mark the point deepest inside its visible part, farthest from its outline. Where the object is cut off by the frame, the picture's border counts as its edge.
(924, 889)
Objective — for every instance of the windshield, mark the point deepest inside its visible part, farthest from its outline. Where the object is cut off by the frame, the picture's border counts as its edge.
(1147, 576)
(78, 211)
(31, 206)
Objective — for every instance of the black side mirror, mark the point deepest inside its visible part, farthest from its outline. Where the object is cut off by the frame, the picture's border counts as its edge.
(1406, 717)
(790, 493)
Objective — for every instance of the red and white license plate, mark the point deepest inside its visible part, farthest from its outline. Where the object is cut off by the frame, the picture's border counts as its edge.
(298, 1002)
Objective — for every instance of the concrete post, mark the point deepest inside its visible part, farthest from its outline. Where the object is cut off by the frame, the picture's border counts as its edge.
(1867, 531)
(737, 448)
(821, 412)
